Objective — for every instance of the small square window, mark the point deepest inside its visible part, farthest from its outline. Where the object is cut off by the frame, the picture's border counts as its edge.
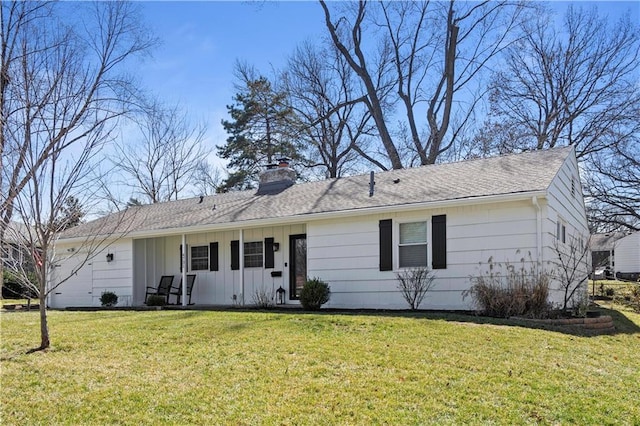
(200, 258)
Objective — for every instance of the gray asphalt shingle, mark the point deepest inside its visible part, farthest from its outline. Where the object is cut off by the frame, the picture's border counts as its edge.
(509, 174)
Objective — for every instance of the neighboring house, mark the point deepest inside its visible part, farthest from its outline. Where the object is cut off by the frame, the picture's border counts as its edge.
(628, 257)
(14, 248)
(351, 233)
(603, 247)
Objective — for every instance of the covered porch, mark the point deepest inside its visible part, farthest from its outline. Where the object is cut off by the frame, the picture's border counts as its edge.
(230, 266)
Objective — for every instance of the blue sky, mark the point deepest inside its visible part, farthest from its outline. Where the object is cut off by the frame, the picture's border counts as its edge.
(202, 40)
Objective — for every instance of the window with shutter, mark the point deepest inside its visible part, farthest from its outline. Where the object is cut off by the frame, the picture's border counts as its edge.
(412, 249)
(199, 258)
(253, 254)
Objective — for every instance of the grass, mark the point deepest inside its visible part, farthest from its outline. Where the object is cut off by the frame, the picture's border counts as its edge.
(230, 367)
(623, 293)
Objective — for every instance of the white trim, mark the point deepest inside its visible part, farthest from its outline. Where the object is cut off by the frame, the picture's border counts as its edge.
(241, 264)
(185, 250)
(534, 200)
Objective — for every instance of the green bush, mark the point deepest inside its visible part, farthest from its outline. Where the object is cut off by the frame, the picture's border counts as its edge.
(314, 294)
(156, 300)
(109, 298)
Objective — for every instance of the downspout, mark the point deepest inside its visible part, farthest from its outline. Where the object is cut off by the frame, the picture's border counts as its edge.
(184, 270)
(534, 200)
(241, 263)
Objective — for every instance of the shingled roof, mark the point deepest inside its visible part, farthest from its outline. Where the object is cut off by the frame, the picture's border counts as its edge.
(503, 175)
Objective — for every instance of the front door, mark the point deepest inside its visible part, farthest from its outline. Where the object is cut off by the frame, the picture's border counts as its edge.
(298, 264)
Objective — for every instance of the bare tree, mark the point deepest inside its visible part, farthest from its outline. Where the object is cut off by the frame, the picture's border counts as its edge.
(572, 269)
(207, 178)
(574, 86)
(164, 161)
(613, 185)
(430, 55)
(334, 125)
(43, 206)
(62, 91)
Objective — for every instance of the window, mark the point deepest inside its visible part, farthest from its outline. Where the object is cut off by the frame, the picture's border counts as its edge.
(412, 250)
(561, 231)
(200, 258)
(253, 254)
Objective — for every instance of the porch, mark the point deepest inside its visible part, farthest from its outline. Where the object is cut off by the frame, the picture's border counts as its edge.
(231, 267)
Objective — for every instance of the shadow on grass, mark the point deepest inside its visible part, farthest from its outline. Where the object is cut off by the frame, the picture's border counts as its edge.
(623, 325)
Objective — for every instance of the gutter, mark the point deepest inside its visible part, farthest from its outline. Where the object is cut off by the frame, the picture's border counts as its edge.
(534, 200)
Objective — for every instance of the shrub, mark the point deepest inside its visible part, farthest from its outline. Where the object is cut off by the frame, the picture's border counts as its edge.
(414, 285)
(15, 287)
(609, 292)
(109, 298)
(263, 298)
(314, 294)
(156, 300)
(517, 292)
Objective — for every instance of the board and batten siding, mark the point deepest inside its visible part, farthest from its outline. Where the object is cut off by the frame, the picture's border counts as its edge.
(345, 253)
(161, 256)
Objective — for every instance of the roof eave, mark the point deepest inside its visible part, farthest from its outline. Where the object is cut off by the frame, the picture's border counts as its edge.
(303, 218)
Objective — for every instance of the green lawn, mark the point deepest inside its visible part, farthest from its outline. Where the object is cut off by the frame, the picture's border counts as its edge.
(231, 367)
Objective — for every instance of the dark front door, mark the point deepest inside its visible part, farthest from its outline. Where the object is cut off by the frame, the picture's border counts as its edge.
(298, 264)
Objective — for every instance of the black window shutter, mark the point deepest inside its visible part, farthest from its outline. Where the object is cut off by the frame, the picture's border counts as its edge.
(268, 253)
(235, 255)
(180, 257)
(439, 241)
(386, 245)
(213, 256)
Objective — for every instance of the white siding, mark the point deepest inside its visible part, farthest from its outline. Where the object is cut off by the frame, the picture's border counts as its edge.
(161, 256)
(345, 253)
(566, 206)
(84, 286)
(627, 253)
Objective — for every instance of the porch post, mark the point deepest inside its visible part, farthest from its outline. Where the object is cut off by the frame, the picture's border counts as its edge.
(241, 250)
(184, 270)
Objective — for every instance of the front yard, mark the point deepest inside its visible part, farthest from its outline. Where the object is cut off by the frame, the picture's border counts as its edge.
(231, 367)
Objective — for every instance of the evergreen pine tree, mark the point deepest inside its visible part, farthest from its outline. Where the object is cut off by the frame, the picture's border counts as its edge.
(261, 129)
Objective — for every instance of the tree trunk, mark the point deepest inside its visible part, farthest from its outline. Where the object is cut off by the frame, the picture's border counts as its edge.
(44, 325)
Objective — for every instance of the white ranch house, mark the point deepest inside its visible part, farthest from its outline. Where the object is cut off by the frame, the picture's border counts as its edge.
(353, 235)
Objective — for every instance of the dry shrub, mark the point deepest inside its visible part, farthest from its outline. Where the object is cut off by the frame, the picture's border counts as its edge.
(414, 285)
(264, 298)
(520, 291)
